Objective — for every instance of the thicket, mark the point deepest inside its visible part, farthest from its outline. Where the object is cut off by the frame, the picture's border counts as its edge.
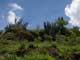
(55, 41)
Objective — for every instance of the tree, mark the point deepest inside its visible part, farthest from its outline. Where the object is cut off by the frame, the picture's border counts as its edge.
(18, 25)
(76, 31)
(55, 27)
(61, 23)
(20, 29)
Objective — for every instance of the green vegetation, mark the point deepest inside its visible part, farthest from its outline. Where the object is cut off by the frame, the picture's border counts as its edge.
(54, 41)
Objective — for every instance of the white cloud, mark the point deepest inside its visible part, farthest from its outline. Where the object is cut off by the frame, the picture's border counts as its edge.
(15, 7)
(73, 12)
(12, 15)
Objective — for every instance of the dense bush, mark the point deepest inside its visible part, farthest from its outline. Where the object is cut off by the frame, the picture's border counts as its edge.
(54, 41)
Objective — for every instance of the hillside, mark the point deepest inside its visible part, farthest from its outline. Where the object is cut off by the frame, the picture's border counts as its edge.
(55, 41)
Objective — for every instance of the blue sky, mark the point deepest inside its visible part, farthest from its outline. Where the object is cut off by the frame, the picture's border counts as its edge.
(35, 11)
